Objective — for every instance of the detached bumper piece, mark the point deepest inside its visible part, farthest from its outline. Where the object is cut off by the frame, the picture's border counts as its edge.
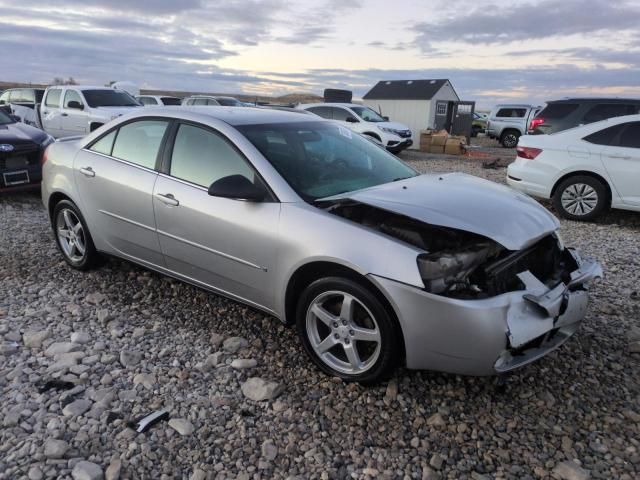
(548, 317)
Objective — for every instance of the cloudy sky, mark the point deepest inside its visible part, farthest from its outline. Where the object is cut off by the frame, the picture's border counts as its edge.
(492, 50)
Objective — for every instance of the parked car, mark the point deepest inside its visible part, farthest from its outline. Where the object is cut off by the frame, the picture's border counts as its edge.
(479, 124)
(229, 102)
(155, 100)
(200, 100)
(395, 136)
(21, 149)
(560, 115)
(77, 110)
(584, 170)
(22, 102)
(507, 123)
(374, 263)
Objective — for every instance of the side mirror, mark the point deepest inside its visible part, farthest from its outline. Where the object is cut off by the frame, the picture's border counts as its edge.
(386, 119)
(351, 120)
(75, 105)
(237, 187)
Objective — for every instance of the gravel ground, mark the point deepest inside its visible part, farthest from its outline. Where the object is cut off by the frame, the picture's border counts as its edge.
(131, 342)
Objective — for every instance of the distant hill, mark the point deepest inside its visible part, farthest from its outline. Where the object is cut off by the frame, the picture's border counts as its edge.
(284, 99)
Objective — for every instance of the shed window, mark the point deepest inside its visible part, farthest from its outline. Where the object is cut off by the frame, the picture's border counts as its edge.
(441, 109)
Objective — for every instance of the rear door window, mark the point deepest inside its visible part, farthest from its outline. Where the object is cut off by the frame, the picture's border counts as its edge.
(603, 111)
(557, 111)
(139, 142)
(340, 114)
(511, 113)
(630, 137)
(200, 101)
(147, 100)
(604, 136)
(53, 98)
(324, 112)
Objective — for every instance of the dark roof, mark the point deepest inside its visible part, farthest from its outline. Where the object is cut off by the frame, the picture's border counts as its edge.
(405, 89)
(596, 100)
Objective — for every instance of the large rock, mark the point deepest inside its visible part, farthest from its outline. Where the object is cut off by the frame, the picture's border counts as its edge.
(570, 471)
(258, 389)
(233, 344)
(147, 380)
(269, 450)
(95, 298)
(58, 348)
(182, 426)
(80, 337)
(34, 339)
(87, 471)
(242, 363)
(76, 408)
(130, 358)
(113, 470)
(55, 448)
(436, 420)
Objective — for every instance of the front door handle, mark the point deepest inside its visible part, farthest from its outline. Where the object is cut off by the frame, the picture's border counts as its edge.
(622, 157)
(168, 199)
(87, 172)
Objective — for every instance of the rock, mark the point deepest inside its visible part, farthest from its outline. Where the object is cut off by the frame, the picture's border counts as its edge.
(415, 442)
(233, 344)
(55, 448)
(35, 473)
(257, 389)
(213, 360)
(182, 426)
(103, 316)
(80, 337)
(216, 340)
(436, 420)
(570, 471)
(58, 348)
(34, 339)
(436, 461)
(113, 470)
(64, 362)
(130, 358)
(391, 393)
(87, 471)
(95, 298)
(241, 363)
(269, 450)
(138, 332)
(198, 475)
(145, 379)
(76, 408)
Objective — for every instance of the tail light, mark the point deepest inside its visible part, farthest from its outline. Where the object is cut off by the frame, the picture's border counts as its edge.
(535, 123)
(44, 157)
(528, 153)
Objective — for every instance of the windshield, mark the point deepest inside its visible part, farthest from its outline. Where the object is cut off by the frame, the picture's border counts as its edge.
(229, 102)
(322, 159)
(367, 114)
(4, 118)
(109, 98)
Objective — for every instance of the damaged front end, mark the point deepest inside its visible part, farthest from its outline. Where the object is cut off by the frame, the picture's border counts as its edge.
(535, 297)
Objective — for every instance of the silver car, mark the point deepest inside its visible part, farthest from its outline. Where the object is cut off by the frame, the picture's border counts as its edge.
(375, 264)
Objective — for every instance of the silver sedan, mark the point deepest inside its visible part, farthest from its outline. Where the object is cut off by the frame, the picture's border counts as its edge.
(375, 264)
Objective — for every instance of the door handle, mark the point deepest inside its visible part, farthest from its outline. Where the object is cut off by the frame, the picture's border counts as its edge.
(64, 114)
(87, 172)
(168, 199)
(622, 157)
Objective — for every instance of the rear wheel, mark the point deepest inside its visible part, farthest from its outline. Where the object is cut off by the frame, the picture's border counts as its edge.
(509, 138)
(346, 331)
(580, 198)
(72, 236)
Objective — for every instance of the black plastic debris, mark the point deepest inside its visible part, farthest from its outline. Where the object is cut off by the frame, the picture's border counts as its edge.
(145, 423)
(55, 385)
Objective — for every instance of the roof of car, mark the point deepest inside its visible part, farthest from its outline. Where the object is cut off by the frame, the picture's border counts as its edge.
(330, 104)
(238, 115)
(593, 100)
(513, 105)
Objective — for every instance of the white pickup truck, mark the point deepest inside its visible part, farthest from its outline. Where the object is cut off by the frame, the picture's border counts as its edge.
(70, 110)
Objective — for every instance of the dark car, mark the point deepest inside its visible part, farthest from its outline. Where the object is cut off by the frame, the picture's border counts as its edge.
(561, 115)
(21, 150)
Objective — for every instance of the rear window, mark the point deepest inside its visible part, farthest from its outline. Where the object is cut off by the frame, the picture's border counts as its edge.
(170, 101)
(109, 98)
(603, 111)
(556, 111)
(511, 112)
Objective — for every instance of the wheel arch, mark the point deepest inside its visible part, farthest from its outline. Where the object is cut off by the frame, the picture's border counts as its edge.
(585, 173)
(374, 135)
(54, 199)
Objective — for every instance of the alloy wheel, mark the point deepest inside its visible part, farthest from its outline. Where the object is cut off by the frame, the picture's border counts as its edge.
(343, 332)
(510, 140)
(579, 199)
(71, 235)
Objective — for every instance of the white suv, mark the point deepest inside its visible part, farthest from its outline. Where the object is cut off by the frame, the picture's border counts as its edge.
(77, 110)
(394, 136)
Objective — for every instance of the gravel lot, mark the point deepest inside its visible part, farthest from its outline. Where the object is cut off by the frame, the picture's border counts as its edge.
(131, 342)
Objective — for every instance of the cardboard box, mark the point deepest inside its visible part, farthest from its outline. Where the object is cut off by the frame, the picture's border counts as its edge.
(425, 141)
(453, 147)
(439, 139)
(436, 149)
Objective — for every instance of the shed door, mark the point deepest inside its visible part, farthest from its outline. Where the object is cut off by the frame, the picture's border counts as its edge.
(462, 118)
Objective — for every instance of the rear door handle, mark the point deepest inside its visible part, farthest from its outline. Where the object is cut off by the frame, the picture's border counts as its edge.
(87, 172)
(623, 157)
(168, 199)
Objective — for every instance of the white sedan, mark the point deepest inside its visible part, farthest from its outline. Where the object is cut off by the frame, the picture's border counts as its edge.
(584, 170)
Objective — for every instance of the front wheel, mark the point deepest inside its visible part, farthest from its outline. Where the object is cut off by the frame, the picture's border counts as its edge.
(580, 198)
(72, 236)
(347, 331)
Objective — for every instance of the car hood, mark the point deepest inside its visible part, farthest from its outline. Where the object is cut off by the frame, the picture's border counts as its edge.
(21, 134)
(394, 125)
(463, 202)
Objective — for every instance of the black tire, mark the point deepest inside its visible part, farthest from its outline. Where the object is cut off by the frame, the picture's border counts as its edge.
(509, 138)
(475, 129)
(90, 258)
(597, 196)
(389, 350)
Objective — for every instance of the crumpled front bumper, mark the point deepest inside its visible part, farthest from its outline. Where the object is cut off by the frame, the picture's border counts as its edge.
(493, 335)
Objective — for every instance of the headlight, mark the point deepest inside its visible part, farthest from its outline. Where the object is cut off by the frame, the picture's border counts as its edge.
(389, 130)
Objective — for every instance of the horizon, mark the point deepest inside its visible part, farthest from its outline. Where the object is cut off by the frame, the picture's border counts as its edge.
(496, 53)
